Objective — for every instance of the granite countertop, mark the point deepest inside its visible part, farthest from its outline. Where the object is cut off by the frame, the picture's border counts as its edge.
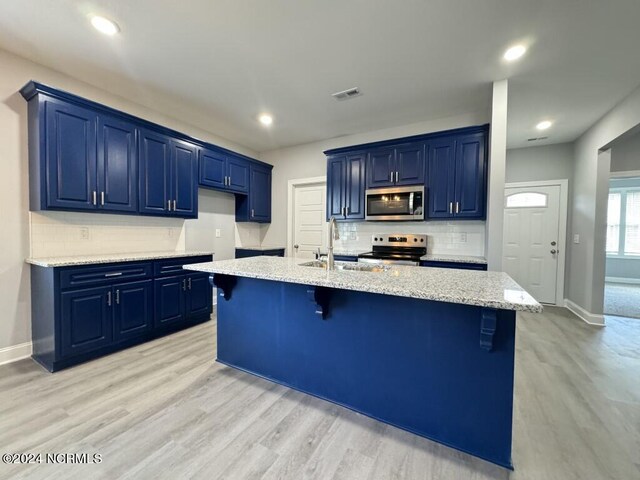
(437, 257)
(348, 252)
(485, 289)
(262, 248)
(110, 258)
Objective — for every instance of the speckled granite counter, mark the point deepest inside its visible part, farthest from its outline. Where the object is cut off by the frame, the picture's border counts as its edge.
(345, 252)
(435, 257)
(110, 258)
(485, 289)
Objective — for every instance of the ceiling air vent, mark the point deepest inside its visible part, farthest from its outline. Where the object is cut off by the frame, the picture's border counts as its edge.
(536, 139)
(346, 94)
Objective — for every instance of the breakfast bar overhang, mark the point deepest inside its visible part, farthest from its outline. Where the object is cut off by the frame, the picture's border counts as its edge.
(427, 350)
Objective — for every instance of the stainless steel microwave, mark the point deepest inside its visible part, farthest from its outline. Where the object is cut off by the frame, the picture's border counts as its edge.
(395, 203)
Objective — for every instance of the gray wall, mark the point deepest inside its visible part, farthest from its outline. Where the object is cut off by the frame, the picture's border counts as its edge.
(625, 154)
(549, 162)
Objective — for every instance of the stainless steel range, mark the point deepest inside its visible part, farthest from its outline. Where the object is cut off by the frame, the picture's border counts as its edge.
(396, 248)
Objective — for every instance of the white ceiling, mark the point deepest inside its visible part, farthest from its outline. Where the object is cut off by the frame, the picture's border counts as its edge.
(222, 62)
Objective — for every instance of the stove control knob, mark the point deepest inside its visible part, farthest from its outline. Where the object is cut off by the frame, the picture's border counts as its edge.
(415, 239)
(422, 240)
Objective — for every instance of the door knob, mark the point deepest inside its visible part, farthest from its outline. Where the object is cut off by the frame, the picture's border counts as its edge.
(553, 244)
(553, 252)
(296, 246)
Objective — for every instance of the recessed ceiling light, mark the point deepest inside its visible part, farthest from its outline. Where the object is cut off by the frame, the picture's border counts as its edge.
(544, 125)
(265, 119)
(104, 25)
(515, 53)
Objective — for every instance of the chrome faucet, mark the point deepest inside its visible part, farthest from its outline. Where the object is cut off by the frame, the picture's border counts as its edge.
(333, 235)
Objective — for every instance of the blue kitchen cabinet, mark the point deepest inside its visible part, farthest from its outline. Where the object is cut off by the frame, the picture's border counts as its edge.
(170, 300)
(184, 179)
(252, 252)
(223, 171)
(457, 177)
(457, 265)
(69, 156)
(168, 172)
(256, 206)
(441, 178)
(470, 178)
(346, 186)
(86, 323)
(396, 166)
(117, 165)
(132, 309)
(87, 311)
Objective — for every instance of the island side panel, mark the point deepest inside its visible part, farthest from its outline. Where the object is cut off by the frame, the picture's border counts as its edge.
(416, 364)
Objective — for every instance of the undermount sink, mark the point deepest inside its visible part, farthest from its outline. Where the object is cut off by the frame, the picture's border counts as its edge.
(358, 267)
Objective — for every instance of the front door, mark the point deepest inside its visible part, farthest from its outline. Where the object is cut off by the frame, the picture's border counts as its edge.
(531, 236)
(309, 220)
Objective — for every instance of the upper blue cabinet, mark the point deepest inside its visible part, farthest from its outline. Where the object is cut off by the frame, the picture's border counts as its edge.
(452, 165)
(457, 177)
(84, 156)
(396, 165)
(256, 206)
(346, 186)
(223, 171)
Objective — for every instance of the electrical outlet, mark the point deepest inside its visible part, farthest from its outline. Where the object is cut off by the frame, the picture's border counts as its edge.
(84, 233)
(576, 238)
(463, 237)
(218, 233)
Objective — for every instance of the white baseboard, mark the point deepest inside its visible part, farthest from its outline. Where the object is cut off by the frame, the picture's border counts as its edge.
(15, 352)
(588, 317)
(632, 281)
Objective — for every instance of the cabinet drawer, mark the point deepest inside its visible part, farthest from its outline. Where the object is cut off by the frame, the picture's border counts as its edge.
(458, 265)
(104, 274)
(171, 266)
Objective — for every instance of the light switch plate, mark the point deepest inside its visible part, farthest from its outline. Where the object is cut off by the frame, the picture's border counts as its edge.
(576, 238)
(218, 233)
(84, 233)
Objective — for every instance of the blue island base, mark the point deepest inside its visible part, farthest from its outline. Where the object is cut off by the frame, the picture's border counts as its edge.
(440, 370)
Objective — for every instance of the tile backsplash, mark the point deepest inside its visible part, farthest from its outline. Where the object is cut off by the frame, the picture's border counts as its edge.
(56, 234)
(456, 238)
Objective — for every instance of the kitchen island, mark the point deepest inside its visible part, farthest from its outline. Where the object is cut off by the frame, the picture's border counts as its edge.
(428, 350)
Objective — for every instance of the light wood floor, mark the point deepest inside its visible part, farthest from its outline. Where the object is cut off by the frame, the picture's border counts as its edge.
(166, 410)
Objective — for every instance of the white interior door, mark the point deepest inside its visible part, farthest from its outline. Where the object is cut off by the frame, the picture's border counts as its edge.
(309, 220)
(531, 239)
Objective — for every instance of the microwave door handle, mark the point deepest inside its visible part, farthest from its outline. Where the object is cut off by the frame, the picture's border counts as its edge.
(411, 203)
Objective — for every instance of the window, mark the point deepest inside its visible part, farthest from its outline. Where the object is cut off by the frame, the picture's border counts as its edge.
(526, 199)
(623, 222)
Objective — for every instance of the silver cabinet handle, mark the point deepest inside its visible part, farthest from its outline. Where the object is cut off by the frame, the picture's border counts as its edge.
(114, 274)
(174, 205)
(109, 298)
(118, 296)
(189, 283)
(391, 177)
(169, 205)
(396, 177)
(450, 207)
(457, 207)
(252, 213)
(102, 198)
(184, 284)
(229, 180)
(94, 197)
(346, 211)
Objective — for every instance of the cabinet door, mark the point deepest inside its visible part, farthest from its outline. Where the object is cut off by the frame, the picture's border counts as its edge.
(184, 181)
(71, 156)
(154, 173)
(355, 186)
(86, 322)
(470, 181)
(410, 164)
(212, 169)
(336, 186)
(381, 168)
(238, 173)
(199, 295)
(132, 309)
(260, 194)
(169, 294)
(440, 178)
(117, 165)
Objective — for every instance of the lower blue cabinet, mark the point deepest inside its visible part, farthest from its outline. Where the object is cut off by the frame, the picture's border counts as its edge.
(86, 320)
(82, 312)
(132, 309)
